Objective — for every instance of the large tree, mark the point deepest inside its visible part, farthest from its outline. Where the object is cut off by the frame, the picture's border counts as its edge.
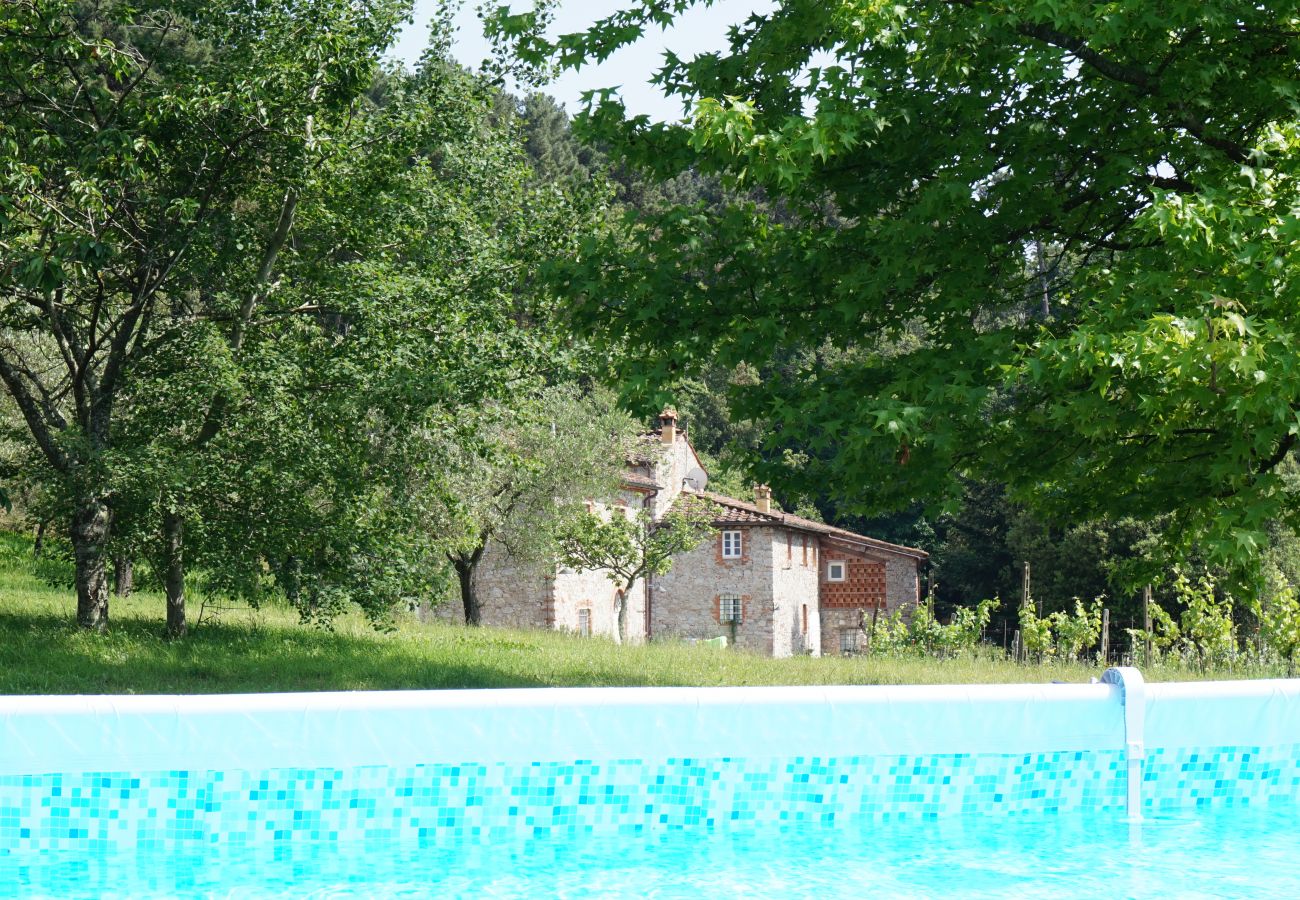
(406, 291)
(152, 160)
(1083, 216)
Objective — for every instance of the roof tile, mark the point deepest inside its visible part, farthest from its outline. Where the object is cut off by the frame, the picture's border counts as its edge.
(733, 511)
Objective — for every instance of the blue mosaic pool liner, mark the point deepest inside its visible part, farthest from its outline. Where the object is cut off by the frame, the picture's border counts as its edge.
(100, 811)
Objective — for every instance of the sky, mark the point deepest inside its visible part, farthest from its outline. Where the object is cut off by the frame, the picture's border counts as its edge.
(697, 31)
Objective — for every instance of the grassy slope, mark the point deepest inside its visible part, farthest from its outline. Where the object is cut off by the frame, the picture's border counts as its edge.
(267, 650)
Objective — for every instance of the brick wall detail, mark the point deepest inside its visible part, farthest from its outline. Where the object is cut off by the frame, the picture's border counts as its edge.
(874, 585)
(864, 584)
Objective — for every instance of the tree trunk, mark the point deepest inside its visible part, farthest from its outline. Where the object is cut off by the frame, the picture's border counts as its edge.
(39, 545)
(174, 577)
(620, 608)
(123, 575)
(90, 525)
(465, 566)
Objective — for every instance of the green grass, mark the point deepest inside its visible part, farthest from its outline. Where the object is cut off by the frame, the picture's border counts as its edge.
(268, 650)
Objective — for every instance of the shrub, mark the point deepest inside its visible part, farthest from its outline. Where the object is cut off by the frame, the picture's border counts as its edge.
(1076, 633)
(1209, 635)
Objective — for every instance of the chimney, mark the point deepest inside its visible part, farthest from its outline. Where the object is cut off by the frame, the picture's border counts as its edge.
(763, 498)
(668, 425)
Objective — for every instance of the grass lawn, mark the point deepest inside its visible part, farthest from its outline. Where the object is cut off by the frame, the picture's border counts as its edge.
(268, 650)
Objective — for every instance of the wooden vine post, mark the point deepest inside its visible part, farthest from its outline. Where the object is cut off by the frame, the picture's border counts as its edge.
(1146, 624)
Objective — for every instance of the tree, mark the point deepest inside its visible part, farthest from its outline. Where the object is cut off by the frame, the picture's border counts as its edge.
(631, 547)
(941, 166)
(152, 159)
(513, 468)
(411, 267)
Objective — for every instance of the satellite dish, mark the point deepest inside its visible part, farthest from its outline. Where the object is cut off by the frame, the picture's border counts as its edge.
(697, 478)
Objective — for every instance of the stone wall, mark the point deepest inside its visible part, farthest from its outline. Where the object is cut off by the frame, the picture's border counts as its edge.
(512, 593)
(902, 581)
(684, 601)
(836, 621)
(796, 624)
(517, 593)
(669, 471)
(594, 590)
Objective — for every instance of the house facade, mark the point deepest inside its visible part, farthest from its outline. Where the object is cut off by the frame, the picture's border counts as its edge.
(768, 581)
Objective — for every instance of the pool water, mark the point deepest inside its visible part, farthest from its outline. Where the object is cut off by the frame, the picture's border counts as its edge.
(1225, 852)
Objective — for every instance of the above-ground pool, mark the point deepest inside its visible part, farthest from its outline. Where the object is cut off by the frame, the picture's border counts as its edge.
(1113, 789)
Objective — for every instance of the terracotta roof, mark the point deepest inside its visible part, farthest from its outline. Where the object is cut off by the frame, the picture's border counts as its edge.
(636, 479)
(738, 512)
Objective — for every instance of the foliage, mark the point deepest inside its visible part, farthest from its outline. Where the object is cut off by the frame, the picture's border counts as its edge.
(1208, 632)
(510, 470)
(1279, 626)
(236, 315)
(1163, 636)
(1076, 633)
(1081, 217)
(1036, 633)
(964, 631)
(917, 632)
(250, 650)
(630, 546)
(152, 161)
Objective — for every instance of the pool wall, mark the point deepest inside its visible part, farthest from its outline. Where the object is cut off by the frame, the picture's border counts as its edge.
(102, 772)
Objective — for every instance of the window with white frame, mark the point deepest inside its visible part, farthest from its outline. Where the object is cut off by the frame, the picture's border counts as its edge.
(835, 571)
(849, 640)
(731, 545)
(584, 622)
(730, 608)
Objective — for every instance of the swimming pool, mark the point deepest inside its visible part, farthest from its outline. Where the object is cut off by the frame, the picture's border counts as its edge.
(921, 791)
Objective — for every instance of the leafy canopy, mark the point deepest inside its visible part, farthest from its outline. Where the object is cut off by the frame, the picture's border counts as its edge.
(1052, 245)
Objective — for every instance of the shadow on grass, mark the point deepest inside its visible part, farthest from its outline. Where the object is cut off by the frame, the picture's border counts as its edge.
(46, 654)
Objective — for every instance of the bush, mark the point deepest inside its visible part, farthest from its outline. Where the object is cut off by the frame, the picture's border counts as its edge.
(1076, 633)
(1035, 633)
(1209, 634)
(1279, 626)
(923, 635)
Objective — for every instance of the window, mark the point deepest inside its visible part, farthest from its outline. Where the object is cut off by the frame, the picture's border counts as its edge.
(805, 619)
(731, 545)
(849, 640)
(584, 622)
(730, 609)
(835, 571)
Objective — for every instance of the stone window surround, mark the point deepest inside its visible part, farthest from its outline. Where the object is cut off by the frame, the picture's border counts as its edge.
(733, 543)
(729, 562)
(731, 609)
(744, 608)
(831, 566)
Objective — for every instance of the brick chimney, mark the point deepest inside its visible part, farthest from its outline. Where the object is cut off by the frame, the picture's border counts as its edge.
(763, 498)
(668, 425)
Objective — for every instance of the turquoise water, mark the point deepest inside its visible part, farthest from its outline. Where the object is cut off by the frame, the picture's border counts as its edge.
(1233, 852)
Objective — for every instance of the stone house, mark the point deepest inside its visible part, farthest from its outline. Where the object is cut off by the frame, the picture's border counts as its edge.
(769, 581)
